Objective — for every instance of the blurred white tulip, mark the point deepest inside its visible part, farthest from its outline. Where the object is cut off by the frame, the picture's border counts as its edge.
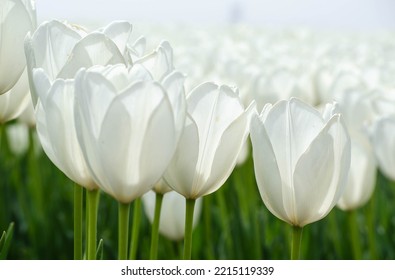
(301, 160)
(18, 138)
(172, 216)
(356, 109)
(216, 128)
(362, 175)
(383, 140)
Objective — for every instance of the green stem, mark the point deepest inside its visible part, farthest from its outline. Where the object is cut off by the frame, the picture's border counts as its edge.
(123, 230)
(93, 203)
(135, 229)
(190, 207)
(78, 204)
(155, 227)
(354, 234)
(371, 228)
(296, 242)
(3, 189)
(335, 235)
(2, 134)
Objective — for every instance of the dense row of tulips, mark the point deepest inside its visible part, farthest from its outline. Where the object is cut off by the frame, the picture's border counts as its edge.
(119, 115)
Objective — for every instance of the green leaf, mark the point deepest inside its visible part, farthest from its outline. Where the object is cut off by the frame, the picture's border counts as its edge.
(7, 241)
(99, 251)
(2, 240)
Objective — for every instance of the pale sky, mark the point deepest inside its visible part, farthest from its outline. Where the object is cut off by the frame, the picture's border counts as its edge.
(332, 14)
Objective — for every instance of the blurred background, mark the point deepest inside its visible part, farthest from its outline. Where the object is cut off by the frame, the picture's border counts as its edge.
(335, 14)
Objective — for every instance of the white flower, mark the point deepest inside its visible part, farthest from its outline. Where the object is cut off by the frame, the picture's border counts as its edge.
(215, 131)
(301, 160)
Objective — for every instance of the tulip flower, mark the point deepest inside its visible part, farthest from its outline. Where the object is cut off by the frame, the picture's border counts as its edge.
(126, 160)
(301, 162)
(215, 131)
(127, 127)
(357, 111)
(17, 18)
(172, 216)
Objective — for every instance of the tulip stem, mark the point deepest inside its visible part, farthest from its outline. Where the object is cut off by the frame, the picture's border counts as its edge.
(296, 242)
(2, 133)
(190, 207)
(372, 228)
(123, 230)
(135, 229)
(155, 227)
(93, 203)
(354, 234)
(78, 204)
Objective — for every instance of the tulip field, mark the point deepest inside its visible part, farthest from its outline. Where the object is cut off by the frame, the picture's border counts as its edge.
(234, 223)
(139, 141)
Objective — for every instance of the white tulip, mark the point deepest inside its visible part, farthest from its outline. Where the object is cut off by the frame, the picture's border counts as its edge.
(301, 160)
(215, 131)
(127, 127)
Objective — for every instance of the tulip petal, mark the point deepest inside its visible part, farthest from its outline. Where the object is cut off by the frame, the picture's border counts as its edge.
(181, 171)
(227, 151)
(159, 144)
(42, 83)
(312, 179)
(267, 173)
(119, 32)
(134, 161)
(94, 49)
(159, 62)
(94, 95)
(52, 44)
(15, 24)
(55, 127)
(137, 48)
(321, 173)
(174, 85)
(213, 108)
(13, 102)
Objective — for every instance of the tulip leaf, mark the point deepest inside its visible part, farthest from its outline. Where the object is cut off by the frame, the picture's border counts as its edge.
(2, 240)
(99, 250)
(5, 241)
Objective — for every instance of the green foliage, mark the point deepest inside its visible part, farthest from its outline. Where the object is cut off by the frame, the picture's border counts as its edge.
(5, 241)
(234, 223)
